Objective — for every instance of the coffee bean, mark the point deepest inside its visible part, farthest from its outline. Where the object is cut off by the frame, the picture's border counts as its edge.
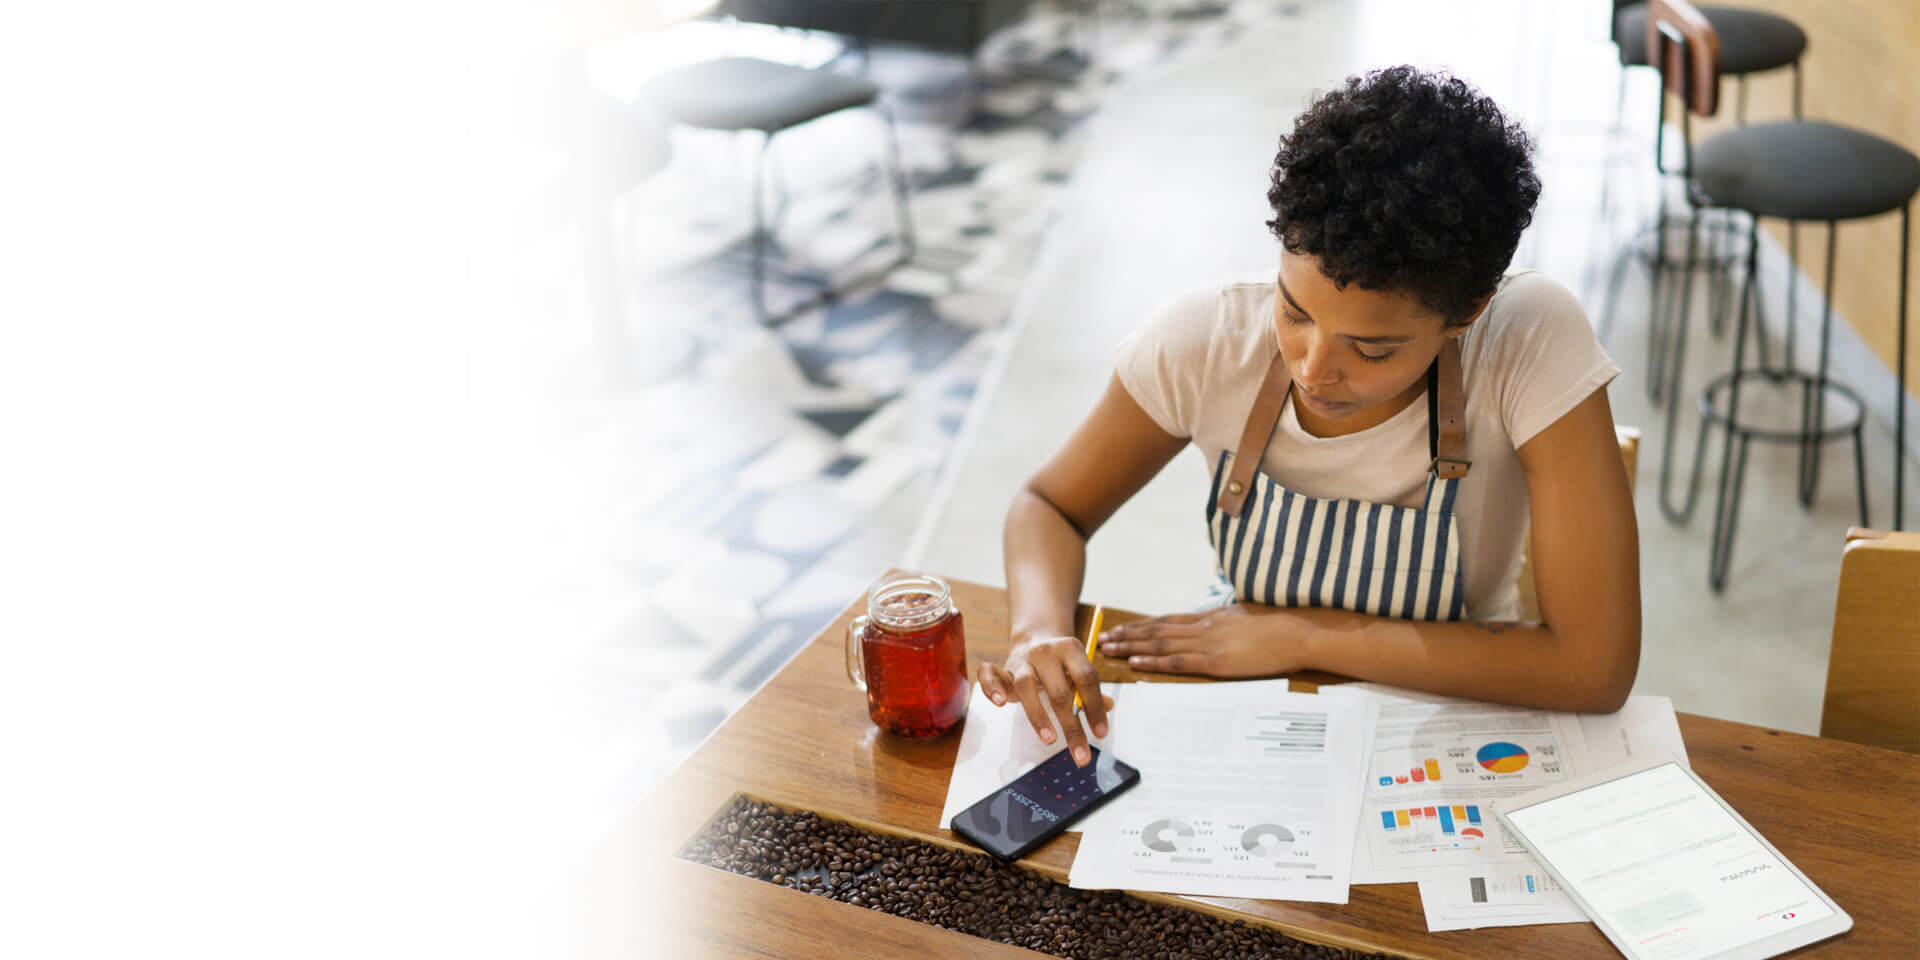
(975, 894)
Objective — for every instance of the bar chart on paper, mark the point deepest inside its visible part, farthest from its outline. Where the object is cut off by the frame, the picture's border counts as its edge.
(1426, 771)
(1446, 825)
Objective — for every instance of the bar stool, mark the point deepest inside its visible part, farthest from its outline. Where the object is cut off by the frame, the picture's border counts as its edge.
(1752, 41)
(1796, 170)
(745, 93)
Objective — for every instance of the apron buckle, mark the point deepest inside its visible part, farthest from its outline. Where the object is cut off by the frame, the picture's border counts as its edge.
(1449, 467)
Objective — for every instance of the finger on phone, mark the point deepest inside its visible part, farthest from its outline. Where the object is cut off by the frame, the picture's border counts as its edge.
(1060, 694)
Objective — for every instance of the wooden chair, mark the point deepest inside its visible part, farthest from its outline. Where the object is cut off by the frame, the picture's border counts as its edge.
(1629, 438)
(1873, 669)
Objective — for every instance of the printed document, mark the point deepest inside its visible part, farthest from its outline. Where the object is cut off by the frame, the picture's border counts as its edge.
(1481, 752)
(1510, 898)
(1434, 768)
(1240, 775)
(1246, 790)
(997, 745)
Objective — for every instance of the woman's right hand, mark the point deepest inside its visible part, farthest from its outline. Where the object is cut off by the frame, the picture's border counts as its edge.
(1049, 670)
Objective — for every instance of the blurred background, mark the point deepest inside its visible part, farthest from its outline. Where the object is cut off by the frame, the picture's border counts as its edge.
(1071, 166)
(410, 463)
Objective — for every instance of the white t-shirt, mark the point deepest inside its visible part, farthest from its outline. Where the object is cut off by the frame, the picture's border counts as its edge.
(1195, 367)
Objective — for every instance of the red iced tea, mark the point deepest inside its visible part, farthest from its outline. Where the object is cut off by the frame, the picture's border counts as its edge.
(912, 656)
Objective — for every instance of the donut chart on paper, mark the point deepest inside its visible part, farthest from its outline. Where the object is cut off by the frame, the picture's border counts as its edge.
(1502, 757)
(1267, 840)
(1167, 835)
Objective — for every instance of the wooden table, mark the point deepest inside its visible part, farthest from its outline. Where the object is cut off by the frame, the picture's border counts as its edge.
(1848, 815)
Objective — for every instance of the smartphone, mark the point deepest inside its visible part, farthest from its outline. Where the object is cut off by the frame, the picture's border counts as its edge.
(1010, 822)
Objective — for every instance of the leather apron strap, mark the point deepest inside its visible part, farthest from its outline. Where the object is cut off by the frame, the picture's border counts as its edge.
(1447, 428)
(1450, 455)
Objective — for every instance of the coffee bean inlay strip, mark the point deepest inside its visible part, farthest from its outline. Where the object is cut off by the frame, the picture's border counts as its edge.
(974, 893)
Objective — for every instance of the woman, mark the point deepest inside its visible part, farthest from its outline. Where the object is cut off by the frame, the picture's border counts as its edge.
(1409, 407)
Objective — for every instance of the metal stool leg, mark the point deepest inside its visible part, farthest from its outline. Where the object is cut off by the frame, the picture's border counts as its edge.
(1726, 517)
(902, 215)
(1813, 405)
(760, 230)
(763, 230)
(1673, 308)
(1793, 290)
(1760, 326)
(1860, 466)
(1684, 512)
(1727, 508)
(1900, 387)
(1759, 316)
(1721, 274)
(1656, 298)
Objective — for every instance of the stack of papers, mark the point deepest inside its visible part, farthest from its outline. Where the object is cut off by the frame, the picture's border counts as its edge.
(1251, 790)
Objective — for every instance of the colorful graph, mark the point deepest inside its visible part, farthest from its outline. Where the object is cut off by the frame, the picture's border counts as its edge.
(1427, 771)
(1502, 757)
(1461, 820)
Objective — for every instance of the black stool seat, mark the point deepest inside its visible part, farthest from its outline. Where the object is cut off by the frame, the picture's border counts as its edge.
(1751, 41)
(1805, 171)
(745, 93)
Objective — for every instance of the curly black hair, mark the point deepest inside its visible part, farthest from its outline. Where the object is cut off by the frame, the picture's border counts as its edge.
(1406, 181)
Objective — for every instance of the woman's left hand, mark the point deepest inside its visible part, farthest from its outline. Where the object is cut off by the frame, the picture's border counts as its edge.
(1233, 641)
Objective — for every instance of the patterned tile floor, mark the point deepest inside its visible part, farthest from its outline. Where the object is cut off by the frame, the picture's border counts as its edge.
(767, 475)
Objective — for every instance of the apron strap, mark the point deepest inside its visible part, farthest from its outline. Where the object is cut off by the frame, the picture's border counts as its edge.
(1447, 426)
(1450, 449)
(1255, 435)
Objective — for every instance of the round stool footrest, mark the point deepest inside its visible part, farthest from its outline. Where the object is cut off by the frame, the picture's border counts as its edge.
(1777, 405)
(1644, 248)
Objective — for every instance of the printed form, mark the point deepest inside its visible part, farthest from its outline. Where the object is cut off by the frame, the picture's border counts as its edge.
(1245, 791)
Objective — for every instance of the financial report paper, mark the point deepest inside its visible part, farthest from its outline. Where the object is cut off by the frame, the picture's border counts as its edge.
(1246, 791)
(1435, 763)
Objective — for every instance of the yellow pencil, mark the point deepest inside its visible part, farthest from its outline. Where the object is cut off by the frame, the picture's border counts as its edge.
(1093, 640)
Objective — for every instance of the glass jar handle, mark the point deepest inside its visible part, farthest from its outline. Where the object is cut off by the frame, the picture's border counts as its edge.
(856, 670)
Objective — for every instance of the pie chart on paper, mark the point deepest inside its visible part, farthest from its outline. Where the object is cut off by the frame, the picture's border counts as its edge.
(1267, 840)
(1167, 835)
(1502, 757)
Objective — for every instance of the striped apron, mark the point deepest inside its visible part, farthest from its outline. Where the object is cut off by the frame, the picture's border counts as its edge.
(1280, 548)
